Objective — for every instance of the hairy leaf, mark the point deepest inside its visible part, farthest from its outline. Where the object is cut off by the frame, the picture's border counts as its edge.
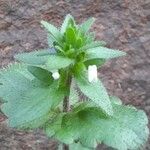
(89, 38)
(94, 44)
(28, 101)
(44, 60)
(34, 57)
(66, 22)
(126, 129)
(53, 31)
(95, 91)
(104, 53)
(50, 40)
(85, 26)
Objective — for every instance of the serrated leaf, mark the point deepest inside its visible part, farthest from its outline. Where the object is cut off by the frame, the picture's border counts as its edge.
(53, 31)
(126, 129)
(29, 102)
(115, 100)
(41, 74)
(104, 53)
(85, 26)
(44, 60)
(95, 91)
(10, 93)
(34, 57)
(66, 22)
(50, 40)
(90, 37)
(93, 45)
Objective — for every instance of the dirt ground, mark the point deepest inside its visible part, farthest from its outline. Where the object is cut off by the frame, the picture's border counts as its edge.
(123, 24)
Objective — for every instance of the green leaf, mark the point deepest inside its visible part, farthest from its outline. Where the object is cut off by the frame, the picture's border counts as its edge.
(89, 37)
(34, 57)
(116, 100)
(126, 129)
(53, 31)
(104, 53)
(50, 40)
(95, 91)
(70, 36)
(55, 62)
(7, 93)
(44, 59)
(79, 42)
(29, 101)
(41, 74)
(66, 22)
(88, 105)
(59, 49)
(54, 125)
(85, 26)
(94, 44)
(97, 62)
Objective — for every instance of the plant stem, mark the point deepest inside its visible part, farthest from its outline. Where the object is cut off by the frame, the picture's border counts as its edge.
(65, 147)
(66, 104)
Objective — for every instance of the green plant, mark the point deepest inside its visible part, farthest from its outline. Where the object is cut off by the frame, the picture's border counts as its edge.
(41, 92)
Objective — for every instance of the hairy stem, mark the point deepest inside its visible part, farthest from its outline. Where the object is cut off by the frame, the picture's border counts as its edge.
(66, 104)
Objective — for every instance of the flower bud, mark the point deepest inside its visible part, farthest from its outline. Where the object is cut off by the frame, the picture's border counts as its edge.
(92, 73)
(55, 75)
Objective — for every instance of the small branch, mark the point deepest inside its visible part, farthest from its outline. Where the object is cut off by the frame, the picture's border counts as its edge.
(66, 104)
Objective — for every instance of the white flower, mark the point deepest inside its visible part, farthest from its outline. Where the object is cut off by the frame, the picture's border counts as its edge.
(55, 75)
(92, 73)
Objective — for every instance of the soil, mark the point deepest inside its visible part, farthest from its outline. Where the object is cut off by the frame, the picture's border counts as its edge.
(123, 24)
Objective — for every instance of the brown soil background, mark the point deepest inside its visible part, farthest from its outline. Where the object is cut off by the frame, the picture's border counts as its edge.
(123, 24)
